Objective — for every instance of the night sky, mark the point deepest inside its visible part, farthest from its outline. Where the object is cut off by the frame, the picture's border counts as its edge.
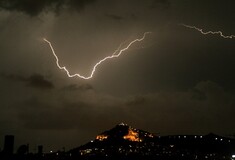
(176, 81)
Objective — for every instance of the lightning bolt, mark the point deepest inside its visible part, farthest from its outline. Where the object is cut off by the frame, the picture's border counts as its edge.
(209, 32)
(116, 54)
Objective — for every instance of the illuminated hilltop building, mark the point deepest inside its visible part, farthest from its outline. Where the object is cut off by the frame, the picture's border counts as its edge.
(132, 136)
(125, 132)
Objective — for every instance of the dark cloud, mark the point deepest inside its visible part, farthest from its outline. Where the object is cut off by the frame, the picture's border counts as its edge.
(177, 112)
(78, 4)
(198, 95)
(34, 81)
(61, 114)
(205, 90)
(35, 7)
(38, 81)
(14, 77)
(73, 115)
(137, 100)
(115, 17)
(168, 112)
(75, 87)
(209, 87)
(160, 3)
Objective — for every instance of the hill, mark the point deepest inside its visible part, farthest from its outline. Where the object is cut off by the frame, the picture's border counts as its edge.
(126, 142)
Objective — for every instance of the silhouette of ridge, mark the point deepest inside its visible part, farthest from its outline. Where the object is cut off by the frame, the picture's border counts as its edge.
(125, 142)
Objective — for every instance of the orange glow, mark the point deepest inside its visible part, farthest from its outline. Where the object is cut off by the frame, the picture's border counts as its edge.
(101, 137)
(132, 136)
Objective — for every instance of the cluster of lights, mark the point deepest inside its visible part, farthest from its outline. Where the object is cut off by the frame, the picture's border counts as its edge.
(86, 151)
(122, 124)
(101, 137)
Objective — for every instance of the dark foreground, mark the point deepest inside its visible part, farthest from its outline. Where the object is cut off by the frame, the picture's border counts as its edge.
(126, 143)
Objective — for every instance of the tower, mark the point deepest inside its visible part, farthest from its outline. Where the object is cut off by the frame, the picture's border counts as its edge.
(40, 150)
(8, 145)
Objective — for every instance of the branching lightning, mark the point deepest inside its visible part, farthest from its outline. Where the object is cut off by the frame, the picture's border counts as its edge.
(209, 32)
(116, 54)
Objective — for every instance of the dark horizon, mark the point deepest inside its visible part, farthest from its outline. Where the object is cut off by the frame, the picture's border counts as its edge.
(48, 149)
(125, 142)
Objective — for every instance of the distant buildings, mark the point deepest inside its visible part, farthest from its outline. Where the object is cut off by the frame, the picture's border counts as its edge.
(40, 150)
(8, 145)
